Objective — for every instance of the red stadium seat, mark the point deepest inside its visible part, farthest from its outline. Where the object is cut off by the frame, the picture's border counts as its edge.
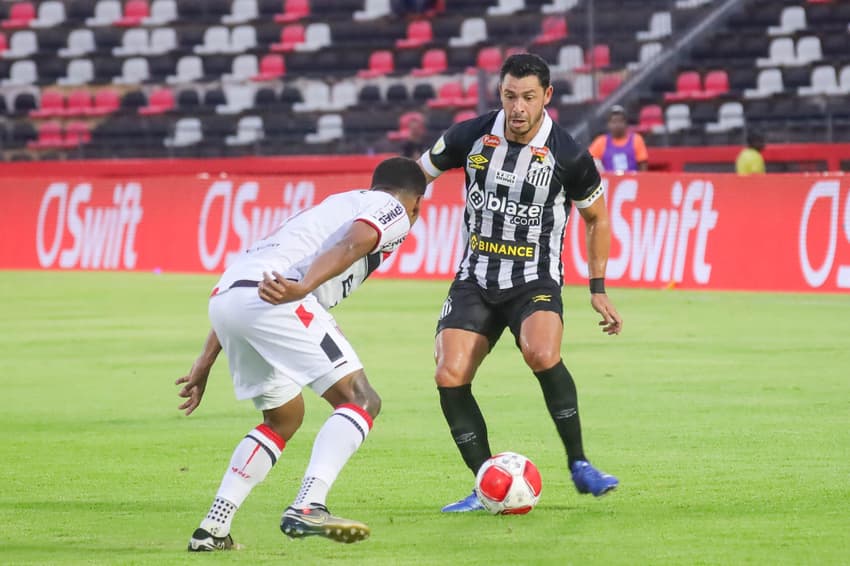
(434, 62)
(106, 101)
(290, 36)
(52, 105)
(3, 43)
(79, 103)
(489, 59)
(134, 12)
(20, 15)
(553, 30)
(651, 117)
(688, 85)
(293, 10)
(272, 67)
(599, 58)
(470, 95)
(49, 136)
(380, 63)
(159, 102)
(464, 115)
(419, 33)
(404, 125)
(76, 134)
(716, 83)
(608, 84)
(449, 95)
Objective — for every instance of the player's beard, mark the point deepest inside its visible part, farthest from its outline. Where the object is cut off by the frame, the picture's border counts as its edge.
(529, 125)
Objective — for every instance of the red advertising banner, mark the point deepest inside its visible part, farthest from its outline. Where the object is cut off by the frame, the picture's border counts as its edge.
(784, 232)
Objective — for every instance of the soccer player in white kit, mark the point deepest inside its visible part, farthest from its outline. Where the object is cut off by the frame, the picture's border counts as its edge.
(269, 314)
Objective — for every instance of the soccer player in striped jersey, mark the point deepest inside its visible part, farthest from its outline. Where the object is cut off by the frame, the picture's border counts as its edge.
(279, 338)
(523, 173)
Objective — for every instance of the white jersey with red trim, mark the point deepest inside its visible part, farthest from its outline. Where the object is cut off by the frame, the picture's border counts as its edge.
(293, 246)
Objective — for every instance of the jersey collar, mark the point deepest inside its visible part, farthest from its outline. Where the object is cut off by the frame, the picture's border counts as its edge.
(538, 140)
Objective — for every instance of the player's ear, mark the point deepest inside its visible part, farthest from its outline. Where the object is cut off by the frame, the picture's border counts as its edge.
(547, 95)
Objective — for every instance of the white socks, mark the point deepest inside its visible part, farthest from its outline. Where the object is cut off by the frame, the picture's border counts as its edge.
(250, 464)
(339, 438)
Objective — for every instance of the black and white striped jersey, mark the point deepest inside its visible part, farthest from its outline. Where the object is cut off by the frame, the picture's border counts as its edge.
(518, 197)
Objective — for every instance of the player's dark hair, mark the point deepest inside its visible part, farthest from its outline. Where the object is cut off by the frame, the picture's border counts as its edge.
(399, 174)
(524, 65)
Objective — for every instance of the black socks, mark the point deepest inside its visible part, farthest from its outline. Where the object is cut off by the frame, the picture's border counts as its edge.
(559, 390)
(466, 423)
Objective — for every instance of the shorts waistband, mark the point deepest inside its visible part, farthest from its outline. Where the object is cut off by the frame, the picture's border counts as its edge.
(244, 283)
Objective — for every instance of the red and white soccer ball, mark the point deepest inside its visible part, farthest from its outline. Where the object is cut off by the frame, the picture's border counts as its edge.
(508, 484)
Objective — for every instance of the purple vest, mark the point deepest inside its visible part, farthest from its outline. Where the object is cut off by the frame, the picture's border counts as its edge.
(618, 158)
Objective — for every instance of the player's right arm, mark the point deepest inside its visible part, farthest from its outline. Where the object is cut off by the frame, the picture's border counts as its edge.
(360, 239)
(196, 380)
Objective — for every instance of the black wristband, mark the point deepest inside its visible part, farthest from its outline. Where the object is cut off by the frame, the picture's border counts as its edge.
(597, 285)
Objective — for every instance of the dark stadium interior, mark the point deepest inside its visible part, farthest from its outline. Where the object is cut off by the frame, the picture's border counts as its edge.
(192, 78)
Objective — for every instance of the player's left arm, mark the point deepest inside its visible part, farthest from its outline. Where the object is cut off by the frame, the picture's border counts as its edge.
(641, 154)
(196, 380)
(360, 239)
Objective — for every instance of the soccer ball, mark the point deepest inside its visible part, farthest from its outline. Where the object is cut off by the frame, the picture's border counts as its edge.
(508, 484)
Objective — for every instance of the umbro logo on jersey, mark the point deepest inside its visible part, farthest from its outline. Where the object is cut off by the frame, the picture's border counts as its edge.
(477, 161)
(541, 299)
(539, 176)
(498, 248)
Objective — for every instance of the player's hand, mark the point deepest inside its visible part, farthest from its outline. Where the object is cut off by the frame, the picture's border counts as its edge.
(276, 289)
(611, 322)
(195, 384)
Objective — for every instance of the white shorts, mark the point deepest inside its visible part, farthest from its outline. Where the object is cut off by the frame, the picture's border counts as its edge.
(276, 350)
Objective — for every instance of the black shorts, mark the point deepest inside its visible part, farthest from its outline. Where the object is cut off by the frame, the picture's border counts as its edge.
(469, 307)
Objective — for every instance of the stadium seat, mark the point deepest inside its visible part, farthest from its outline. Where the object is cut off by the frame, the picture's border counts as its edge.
(216, 40)
(729, 117)
(569, 57)
(244, 68)
(243, 38)
(768, 83)
(49, 136)
(660, 26)
(648, 51)
(434, 62)
(162, 41)
(106, 101)
(316, 97)
(77, 133)
(134, 71)
(809, 50)
(369, 95)
(135, 12)
(162, 12)
(290, 36)
(80, 42)
(688, 86)
(582, 90)
(464, 115)
(133, 42)
(608, 84)
(78, 72)
(716, 83)
(50, 14)
(553, 30)
(106, 13)
(21, 44)
(824, 80)
(844, 80)
(650, 119)
(3, 44)
(22, 72)
(20, 15)
(397, 94)
(792, 20)
(489, 60)
(293, 10)
(160, 101)
(343, 95)
(316, 36)
(272, 66)
(52, 104)
(242, 11)
(249, 130)
(506, 7)
(187, 132)
(372, 10)
(599, 58)
(678, 117)
(449, 95)
(79, 103)
(380, 64)
(190, 68)
(780, 53)
(472, 32)
(419, 33)
(558, 6)
(25, 102)
(328, 128)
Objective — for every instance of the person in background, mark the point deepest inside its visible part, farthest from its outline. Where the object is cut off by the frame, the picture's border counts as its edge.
(415, 144)
(619, 150)
(750, 161)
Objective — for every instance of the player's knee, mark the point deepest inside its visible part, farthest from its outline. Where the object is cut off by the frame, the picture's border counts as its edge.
(364, 395)
(541, 358)
(448, 376)
(284, 426)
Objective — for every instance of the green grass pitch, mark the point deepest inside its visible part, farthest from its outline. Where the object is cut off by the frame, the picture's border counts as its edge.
(726, 417)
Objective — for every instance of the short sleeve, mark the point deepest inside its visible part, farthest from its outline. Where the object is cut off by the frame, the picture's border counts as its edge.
(390, 221)
(582, 182)
(448, 152)
(640, 149)
(597, 148)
